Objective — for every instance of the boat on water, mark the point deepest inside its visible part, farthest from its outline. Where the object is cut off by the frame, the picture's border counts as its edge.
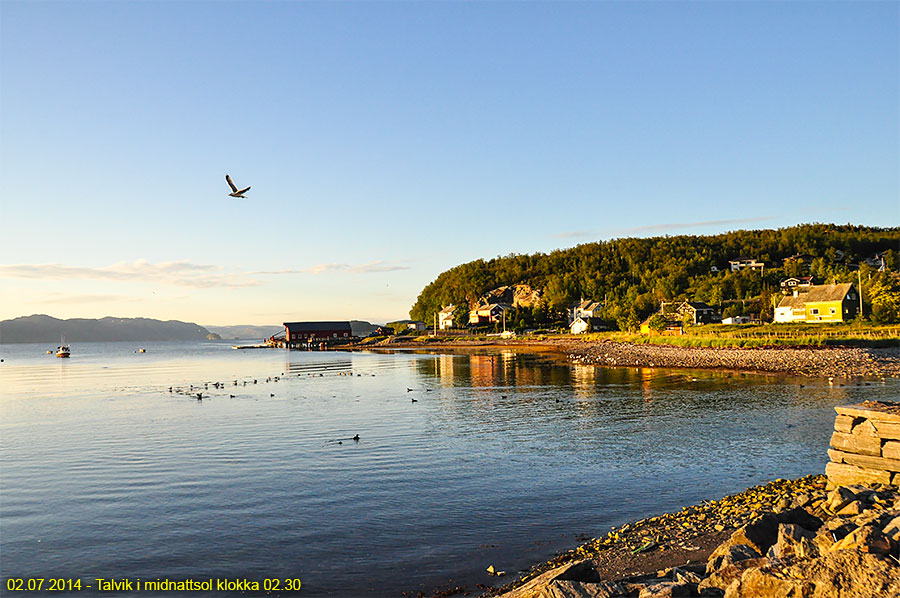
(63, 351)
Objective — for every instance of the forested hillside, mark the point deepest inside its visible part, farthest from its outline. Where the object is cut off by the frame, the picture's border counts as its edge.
(634, 275)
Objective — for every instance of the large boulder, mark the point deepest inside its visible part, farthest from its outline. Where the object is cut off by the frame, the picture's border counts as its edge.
(793, 540)
(761, 533)
(838, 574)
(892, 529)
(728, 554)
(667, 589)
(564, 588)
(867, 538)
(725, 576)
(539, 587)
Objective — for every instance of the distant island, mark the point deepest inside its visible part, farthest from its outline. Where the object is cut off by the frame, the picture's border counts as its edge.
(41, 328)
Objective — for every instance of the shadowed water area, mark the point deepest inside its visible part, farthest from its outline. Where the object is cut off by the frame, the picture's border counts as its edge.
(501, 459)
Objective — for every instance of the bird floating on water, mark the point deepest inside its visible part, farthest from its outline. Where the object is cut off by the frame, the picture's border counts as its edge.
(235, 192)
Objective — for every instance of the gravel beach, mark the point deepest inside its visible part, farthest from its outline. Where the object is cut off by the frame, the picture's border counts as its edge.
(845, 362)
(827, 362)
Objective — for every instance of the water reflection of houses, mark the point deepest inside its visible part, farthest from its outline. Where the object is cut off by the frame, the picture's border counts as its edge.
(647, 383)
(502, 369)
(481, 368)
(584, 380)
(447, 370)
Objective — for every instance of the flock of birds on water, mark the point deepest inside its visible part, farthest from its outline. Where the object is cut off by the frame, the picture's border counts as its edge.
(197, 392)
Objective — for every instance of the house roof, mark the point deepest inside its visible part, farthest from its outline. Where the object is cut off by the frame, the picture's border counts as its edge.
(793, 302)
(828, 292)
(316, 326)
(448, 310)
(589, 320)
(742, 258)
(490, 306)
(671, 308)
(698, 304)
(589, 305)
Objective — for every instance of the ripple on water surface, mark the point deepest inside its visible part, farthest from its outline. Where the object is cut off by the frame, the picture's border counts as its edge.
(500, 460)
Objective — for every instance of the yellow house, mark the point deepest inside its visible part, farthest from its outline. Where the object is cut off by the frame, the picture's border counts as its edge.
(821, 303)
(673, 328)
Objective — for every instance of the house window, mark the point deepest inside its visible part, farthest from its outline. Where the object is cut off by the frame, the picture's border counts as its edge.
(832, 311)
(814, 311)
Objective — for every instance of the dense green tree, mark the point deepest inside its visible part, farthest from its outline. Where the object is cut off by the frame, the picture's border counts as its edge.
(884, 297)
(657, 322)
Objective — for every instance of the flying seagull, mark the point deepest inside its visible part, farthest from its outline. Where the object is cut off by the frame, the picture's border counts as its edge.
(234, 189)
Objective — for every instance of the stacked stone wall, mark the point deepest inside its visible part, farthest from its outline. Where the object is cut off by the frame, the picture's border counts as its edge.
(865, 445)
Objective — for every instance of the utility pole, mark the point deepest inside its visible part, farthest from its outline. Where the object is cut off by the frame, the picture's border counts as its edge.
(859, 290)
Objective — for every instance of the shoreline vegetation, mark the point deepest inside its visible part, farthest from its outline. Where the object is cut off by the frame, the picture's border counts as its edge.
(825, 361)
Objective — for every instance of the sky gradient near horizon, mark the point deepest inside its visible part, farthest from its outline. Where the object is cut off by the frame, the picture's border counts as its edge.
(388, 142)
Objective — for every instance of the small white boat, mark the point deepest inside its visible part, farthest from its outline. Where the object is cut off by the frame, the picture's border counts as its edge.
(63, 351)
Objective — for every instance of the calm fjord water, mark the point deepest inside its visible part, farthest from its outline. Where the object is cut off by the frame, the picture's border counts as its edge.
(502, 459)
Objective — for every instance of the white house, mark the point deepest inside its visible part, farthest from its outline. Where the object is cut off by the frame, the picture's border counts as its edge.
(580, 326)
(739, 320)
(586, 309)
(445, 317)
(741, 263)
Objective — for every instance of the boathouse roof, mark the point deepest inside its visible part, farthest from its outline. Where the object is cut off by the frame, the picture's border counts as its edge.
(317, 326)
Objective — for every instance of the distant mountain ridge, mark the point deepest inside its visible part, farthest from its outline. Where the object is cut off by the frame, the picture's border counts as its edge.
(358, 327)
(42, 328)
(245, 332)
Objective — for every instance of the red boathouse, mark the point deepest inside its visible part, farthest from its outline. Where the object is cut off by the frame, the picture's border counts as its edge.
(303, 333)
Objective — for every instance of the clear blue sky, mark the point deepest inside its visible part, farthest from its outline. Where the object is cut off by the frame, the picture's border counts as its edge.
(388, 142)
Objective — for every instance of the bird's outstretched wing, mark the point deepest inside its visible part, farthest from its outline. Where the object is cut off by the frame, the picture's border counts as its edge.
(231, 183)
(242, 191)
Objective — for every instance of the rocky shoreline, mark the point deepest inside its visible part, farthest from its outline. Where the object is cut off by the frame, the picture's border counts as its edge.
(833, 362)
(784, 538)
(828, 362)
